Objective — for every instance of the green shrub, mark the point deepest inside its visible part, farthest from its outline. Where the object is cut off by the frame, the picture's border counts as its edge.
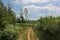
(10, 32)
(48, 28)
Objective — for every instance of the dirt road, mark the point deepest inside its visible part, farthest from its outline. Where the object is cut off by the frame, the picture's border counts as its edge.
(28, 34)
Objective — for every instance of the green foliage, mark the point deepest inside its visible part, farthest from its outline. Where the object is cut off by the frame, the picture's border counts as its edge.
(48, 28)
(21, 18)
(2, 15)
(6, 16)
(8, 30)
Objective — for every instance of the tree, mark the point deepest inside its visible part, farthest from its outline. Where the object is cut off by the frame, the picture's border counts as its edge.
(11, 16)
(21, 16)
(26, 12)
(48, 28)
(2, 15)
(18, 20)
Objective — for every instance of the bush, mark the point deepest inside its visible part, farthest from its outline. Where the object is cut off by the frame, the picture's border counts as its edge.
(10, 32)
(48, 28)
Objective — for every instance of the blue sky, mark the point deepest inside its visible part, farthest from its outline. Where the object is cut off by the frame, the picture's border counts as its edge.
(36, 8)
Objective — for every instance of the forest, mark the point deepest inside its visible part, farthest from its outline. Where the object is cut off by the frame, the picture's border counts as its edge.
(19, 28)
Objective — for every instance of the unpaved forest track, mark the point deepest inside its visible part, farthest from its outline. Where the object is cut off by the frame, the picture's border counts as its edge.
(28, 34)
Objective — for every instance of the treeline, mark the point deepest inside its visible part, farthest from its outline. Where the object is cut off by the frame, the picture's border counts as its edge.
(8, 23)
(7, 15)
(48, 28)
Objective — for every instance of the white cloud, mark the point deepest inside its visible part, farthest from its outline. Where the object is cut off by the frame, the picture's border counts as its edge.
(35, 11)
(32, 7)
(54, 0)
(52, 8)
(17, 2)
(49, 7)
(34, 1)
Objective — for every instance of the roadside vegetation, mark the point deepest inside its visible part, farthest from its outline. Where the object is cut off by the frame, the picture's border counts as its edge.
(48, 28)
(20, 28)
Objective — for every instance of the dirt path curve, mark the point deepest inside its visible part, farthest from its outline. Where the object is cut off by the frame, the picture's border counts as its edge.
(28, 34)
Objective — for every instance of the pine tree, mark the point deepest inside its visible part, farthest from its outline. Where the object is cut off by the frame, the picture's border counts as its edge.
(21, 16)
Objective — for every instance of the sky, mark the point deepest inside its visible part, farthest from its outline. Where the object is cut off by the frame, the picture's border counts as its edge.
(36, 8)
